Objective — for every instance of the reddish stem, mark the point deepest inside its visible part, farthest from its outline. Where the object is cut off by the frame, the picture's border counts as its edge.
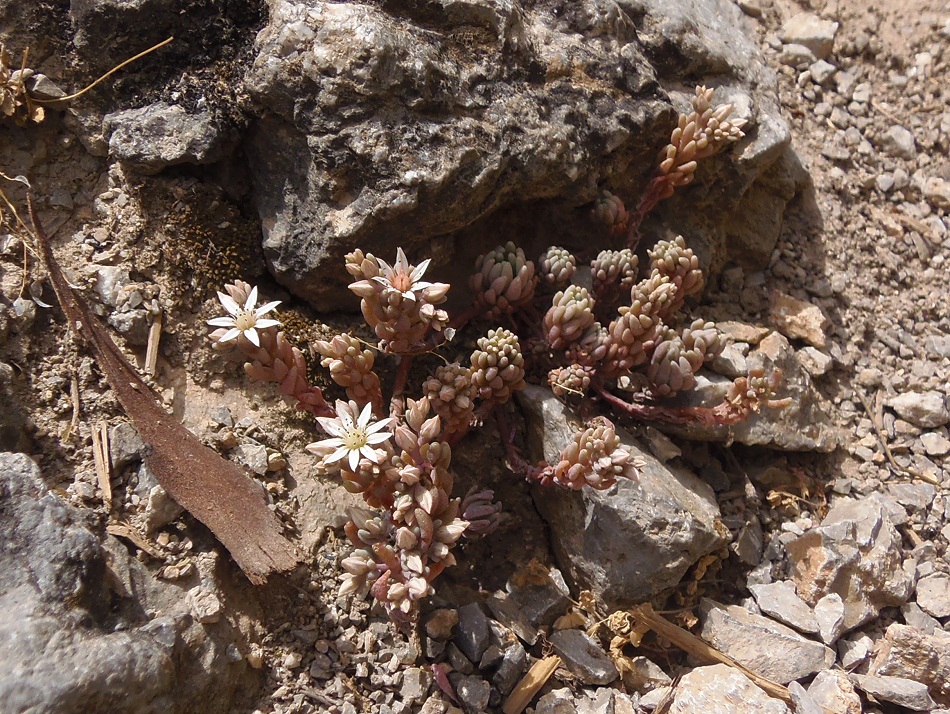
(674, 415)
(541, 473)
(651, 197)
(397, 404)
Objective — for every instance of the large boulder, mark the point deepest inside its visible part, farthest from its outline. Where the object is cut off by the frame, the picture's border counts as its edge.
(633, 540)
(451, 126)
(73, 634)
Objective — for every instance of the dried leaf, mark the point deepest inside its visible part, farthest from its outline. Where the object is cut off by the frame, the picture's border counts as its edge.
(212, 489)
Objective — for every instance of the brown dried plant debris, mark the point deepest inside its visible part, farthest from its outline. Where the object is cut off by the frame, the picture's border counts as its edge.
(15, 101)
(212, 489)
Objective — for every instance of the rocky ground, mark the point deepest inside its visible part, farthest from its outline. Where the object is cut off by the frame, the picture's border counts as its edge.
(809, 544)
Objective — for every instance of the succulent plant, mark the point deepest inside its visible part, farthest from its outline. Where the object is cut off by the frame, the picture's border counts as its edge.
(610, 212)
(613, 274)
(504, 280)
(556, 267)
(699, 134)
(570, 315)
(596, 458)
(401, 461)
(497, 366)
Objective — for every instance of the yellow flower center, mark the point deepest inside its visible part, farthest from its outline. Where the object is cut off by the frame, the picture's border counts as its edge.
(355, 439)
(245, 320)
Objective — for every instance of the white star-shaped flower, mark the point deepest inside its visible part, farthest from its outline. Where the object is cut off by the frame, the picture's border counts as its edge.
(401, 277)
(244, 320)
(351, 436)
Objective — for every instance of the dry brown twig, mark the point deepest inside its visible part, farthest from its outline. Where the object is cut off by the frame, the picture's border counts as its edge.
(103, 462)
(531, 684)
(693, 645)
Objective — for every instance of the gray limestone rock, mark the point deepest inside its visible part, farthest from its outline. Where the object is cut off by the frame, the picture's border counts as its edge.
(809, 30)
(473, 633)
(380, 127)
(834, 692)
(557, 701)
(900, 691)
(803, 701)
(415, 685)
(633, 540)
(779, 600)
(829, 611)
(721, 688)
(584, 657)
(644, 675)
(513, 664)
(125, 445)
(910, 653)
(899, 141)
(933, 595)
(753, 641)
(541, 601)
(856, 553)
(602, 703)
(159, 135)
(509, 613)
(72, 638)
(473, 692)
(804, 425)
(926, 409)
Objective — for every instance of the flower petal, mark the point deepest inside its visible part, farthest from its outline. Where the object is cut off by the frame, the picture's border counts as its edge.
(379, 438)
(365, 416)
(251, 335)
(264, 309)
(229, 304)
(354, 460)
(251, 299)
(337, 455)
(222, 322)
(265, 323)
(331, 443)
(230, 335)
(370, 453)
(332, 426)
(419, 269)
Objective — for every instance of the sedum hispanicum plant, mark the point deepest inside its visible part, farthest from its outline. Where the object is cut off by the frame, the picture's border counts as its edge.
(623, 345)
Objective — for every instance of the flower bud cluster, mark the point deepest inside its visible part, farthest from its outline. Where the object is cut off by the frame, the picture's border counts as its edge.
(699, 134)
(610, 212)
(351, 366)
(497, 366)
(556, 267)
(504, 280)
(595, 458)
(396, 303)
